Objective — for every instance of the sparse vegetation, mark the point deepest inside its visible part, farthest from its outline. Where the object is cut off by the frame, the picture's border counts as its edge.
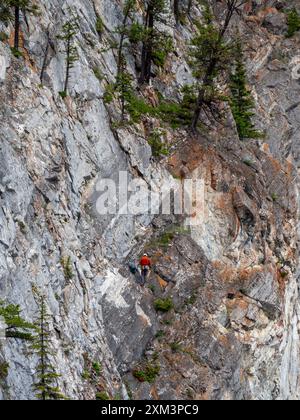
(4, 366)
(168, 236)
(99, 26)
(165, 239)
(147, 373)
(248, 162)
(167, 322)
(152, 288)
(102, 396)
(16, 53)
(66, 264)
(158, 146)
(22, 226)
(86, 375)
(160, 334)
(293, 21)
(283, 274)
(63, 94)
(192, 299)
(175, 347)
(97, 368)
(128, 389)
(160, 54)
(98, 74)
(92, 370)
(163, 305)
(3, 37)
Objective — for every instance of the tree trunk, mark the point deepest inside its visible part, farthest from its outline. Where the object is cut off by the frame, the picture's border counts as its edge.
(176, 10)
(190, 3)
(43, 383)
(147, 47)
(68, 66)
(17, 28)
(207, 82)
(120, 49)
(44, 65)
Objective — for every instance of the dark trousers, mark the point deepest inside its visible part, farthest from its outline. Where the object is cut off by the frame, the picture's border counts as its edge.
(145, 271)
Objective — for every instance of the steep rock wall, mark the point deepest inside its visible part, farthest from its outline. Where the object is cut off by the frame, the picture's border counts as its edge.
(233, 333)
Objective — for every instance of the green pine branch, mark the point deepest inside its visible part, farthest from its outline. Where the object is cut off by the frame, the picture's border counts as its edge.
(17, 327)
(46, 386)
(241, 101)
(68, 34)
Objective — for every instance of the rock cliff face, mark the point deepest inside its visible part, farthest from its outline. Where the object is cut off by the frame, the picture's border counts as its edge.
(233, 330)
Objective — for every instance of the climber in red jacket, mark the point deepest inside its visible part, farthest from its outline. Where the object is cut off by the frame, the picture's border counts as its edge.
(145, 264)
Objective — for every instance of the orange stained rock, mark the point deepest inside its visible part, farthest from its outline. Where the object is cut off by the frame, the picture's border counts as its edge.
(266, 148)
(228, 273)
(22, 48)
(259, 18)
(154, 393)
(163, 284)
(223, 339)
(224, 202)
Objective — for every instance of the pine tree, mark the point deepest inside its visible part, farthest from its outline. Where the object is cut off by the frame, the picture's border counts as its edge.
(152, 39)
(69, 31)
(5, 12)
(11, 10)
(46, 385)
(17, 327)
(124, 87)
(129, 8)
(210, 54)
(241, 101)
(293, 21)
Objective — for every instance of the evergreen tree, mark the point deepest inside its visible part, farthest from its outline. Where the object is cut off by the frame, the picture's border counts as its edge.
(69, 31)
(17, 327)
(129, 8)
(241, 101)
(153, 40)
(124, 87)
(211, 53)
(293, 21)
(11, 10)
(46, 385)
(5, 12)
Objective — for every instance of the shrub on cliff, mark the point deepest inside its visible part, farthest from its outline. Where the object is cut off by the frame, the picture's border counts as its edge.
(163, 305)
(293, 21)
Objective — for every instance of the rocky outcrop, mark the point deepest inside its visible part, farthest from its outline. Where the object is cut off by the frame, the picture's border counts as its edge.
(232, 331)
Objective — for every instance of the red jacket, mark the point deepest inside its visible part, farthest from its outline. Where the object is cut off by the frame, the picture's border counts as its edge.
(145, 261)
